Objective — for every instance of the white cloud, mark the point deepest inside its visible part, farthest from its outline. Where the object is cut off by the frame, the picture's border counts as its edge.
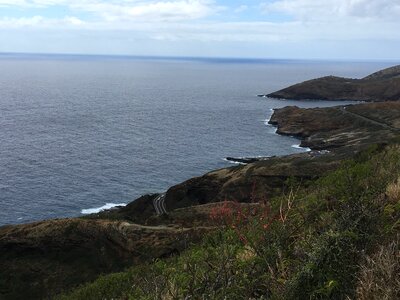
(39, 22)
(166, 11)
(32, 3)
(13, 3)
(336, 9)
(217, 31)
(185, 22)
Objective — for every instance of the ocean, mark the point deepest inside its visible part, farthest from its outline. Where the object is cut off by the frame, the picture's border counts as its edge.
(81, 133)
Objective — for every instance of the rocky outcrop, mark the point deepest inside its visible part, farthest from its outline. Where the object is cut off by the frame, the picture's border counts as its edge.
(137, 211)
(242, 160)
(341, 127)
(380, 86)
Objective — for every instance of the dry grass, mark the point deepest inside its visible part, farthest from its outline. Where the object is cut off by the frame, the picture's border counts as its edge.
(246, 254)
(379, 276)
(393, 191)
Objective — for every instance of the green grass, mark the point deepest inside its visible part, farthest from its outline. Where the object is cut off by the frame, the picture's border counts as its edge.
(308, 243)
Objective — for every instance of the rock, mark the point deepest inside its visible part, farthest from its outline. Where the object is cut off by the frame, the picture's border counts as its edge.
(243, 160)
(351, 126)
(380, 86)
(137, 211)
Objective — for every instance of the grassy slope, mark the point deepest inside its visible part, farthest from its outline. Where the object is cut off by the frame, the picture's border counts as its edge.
(337, 238)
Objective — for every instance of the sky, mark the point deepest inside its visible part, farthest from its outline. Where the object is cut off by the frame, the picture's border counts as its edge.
(292, 29)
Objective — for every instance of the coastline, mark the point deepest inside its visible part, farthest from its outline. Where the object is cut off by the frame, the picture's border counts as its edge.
(111, 240)
(82, 248)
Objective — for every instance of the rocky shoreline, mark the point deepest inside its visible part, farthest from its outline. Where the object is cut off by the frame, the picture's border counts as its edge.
(45, 258)
(350, 126)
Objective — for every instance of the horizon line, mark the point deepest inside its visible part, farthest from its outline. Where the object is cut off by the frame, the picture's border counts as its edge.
(188, 57)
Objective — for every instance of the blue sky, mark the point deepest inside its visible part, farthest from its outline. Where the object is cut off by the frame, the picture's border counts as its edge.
(325, 29)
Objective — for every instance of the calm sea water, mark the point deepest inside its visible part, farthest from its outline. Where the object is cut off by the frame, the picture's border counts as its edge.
(82, 132)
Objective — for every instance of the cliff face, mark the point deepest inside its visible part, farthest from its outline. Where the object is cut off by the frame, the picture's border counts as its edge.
(380, 86)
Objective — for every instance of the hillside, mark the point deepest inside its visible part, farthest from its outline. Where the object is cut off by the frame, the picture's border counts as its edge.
(383, 85)
(334, 238)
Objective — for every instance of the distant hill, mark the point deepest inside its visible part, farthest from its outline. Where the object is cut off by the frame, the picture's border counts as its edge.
(383, 85)
(393, 72)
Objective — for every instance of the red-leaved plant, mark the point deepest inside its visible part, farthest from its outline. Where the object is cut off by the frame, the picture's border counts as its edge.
(258, 213)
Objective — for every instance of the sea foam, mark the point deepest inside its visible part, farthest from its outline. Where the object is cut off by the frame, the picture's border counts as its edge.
(302, 148)
(99, 209)
(233, 162)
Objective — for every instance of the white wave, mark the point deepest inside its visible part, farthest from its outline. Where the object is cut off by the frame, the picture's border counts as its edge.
(233, 162)
(260, 157)
(272, 130)
(266, 121)
(302, 148)
(99, 209)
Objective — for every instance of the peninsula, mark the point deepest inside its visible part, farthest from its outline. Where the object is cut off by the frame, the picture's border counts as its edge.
(383, 85)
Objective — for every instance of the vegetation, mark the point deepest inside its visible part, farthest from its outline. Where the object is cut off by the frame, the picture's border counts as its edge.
(336, 238)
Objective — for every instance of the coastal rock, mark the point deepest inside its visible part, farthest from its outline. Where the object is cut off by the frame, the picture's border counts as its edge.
(340, 127)
(242, 160)
(137, 211)
(380, 86)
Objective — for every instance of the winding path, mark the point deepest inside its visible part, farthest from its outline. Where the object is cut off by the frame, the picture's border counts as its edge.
(375, 122)
(159, 204)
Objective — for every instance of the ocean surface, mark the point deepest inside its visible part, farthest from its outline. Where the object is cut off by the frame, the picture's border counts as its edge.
(78, 133)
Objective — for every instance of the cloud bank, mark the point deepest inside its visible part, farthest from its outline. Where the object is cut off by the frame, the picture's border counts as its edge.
(267, 23)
